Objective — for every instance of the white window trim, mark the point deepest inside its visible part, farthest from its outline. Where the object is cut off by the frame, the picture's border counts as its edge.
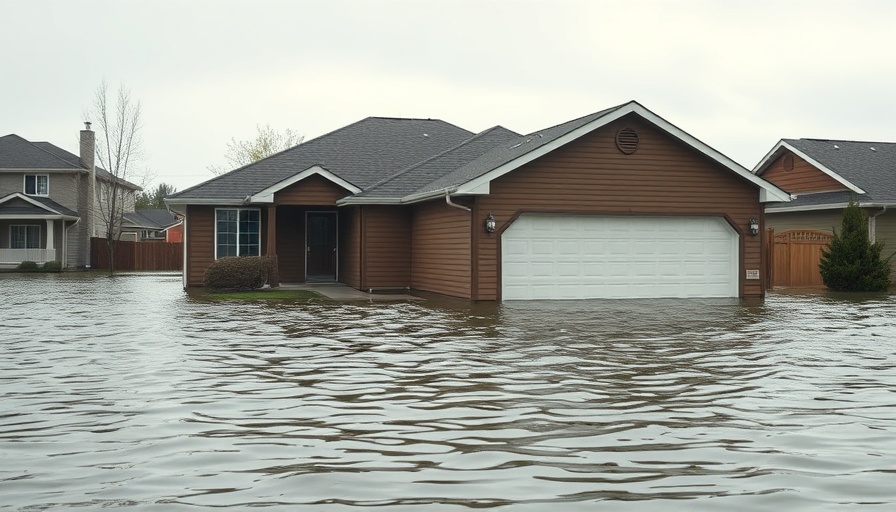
(237, 233)
(39, 235)
(36, 187)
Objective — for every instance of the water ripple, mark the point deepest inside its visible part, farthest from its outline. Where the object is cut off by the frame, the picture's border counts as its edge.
(126, 392)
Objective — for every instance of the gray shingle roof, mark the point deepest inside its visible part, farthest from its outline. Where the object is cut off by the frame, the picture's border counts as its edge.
(152, 218)
(408, 160)
(18, 153)
(362, 154)
(433, 169)
(872, 170)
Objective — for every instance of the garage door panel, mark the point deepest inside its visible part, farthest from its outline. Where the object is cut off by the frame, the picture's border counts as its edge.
(568, 256)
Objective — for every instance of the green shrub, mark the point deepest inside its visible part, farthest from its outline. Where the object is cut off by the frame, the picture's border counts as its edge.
(28, 266)
(851, 262)
(238, 273)
(51, 266)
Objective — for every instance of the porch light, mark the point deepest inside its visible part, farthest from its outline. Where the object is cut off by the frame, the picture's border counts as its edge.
(754, 226)
(490, 223)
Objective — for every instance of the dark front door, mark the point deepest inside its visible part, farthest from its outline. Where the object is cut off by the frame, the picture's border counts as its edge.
(320, 246)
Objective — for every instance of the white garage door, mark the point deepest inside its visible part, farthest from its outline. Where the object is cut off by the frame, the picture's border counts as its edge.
(548, 256)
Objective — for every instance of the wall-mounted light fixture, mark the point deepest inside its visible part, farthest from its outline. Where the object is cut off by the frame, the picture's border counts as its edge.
(490, 224)
(754, 226)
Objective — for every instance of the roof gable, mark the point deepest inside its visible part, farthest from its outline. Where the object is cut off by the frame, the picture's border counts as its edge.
(19, 205)
(475, 177)
(866, 169)
(267, 195)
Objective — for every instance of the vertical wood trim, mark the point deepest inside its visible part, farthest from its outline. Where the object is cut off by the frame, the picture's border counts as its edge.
(271, 247)
(362, 244)
(474, 250)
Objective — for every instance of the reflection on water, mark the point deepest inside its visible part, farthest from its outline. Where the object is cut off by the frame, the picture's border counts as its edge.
(127, 392)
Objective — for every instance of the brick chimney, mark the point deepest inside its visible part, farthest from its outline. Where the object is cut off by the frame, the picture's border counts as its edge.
(88, 147)
(87, 199)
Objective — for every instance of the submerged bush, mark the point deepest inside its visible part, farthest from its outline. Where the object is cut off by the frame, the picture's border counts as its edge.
(28, 266)
(851, 262)
(238, 273)
(51, 266)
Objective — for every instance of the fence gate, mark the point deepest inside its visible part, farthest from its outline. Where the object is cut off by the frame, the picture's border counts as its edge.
(795, 256)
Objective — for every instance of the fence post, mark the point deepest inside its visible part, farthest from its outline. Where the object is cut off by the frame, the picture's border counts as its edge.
(770, 258)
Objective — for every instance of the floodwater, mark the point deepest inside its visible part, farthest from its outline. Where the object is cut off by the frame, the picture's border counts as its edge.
(127, 393)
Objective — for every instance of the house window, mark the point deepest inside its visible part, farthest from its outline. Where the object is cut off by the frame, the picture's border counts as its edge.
(237, 232)
(37, 184)
(24, 237)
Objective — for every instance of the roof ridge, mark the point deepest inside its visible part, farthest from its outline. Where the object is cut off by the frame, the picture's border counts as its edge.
(430, 159)
(844, 140)
(596, 115)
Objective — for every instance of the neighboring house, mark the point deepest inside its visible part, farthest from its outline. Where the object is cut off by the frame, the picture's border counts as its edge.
(46, 198)
(619, 203)
(151, 225)
(823, 175)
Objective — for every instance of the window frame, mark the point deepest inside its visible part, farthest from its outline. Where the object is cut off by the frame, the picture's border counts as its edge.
(46, 179)
(238, 234)
(12, 239)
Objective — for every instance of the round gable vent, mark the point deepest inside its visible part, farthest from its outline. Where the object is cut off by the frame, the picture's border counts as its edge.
(627, 140)
(788, 162)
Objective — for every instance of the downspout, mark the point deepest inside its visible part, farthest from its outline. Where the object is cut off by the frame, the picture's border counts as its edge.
(448, 201)
(872, 224)
(65, 241)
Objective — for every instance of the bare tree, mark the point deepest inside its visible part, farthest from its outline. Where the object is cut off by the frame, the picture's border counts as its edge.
(118, 151)
(266, 143)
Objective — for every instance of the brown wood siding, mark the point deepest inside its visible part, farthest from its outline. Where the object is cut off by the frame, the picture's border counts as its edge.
(803, 178)
(440, 253)
(819, 220)
(350, 246)
(200, 242)
(291, 244)
(313, 190)
(590, 175)
(387, 247)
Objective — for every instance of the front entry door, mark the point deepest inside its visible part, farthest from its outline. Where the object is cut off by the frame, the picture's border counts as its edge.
(320, 247)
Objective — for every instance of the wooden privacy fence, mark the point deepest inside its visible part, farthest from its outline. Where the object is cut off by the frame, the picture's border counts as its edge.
(794, 257)
(138, 255)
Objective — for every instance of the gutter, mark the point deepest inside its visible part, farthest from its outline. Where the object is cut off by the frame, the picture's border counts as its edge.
(415, 198)
(872, 224)
(459, 206)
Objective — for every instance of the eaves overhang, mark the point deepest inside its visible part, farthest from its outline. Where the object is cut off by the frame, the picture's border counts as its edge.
(829, 206)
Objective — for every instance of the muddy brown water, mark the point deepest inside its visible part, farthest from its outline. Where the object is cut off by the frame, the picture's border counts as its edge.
(127, 393)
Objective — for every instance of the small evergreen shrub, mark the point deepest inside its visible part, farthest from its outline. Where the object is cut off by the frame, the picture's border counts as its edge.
(28, 266)
(851, 262)
(238, 273)
(51, 266)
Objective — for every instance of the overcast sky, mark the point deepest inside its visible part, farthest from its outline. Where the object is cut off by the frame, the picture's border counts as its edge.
(738, 75)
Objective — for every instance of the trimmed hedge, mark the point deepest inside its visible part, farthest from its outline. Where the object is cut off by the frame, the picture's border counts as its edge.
(28, 266)
(51, 266)
(238, 273)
